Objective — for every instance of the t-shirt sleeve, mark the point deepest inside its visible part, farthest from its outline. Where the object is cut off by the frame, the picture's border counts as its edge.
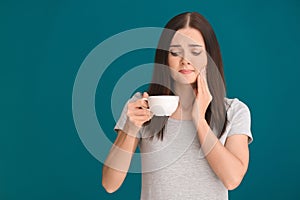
(123, 118)
(240, 120)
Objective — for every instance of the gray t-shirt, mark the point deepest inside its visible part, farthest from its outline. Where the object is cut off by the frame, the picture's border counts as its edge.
(176, 168)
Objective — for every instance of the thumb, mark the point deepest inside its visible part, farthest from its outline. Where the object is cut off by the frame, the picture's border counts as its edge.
(145, 95)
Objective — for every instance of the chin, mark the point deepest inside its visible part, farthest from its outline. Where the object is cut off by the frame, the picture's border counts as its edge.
(186, 82)
(191, 81)
(184, 79)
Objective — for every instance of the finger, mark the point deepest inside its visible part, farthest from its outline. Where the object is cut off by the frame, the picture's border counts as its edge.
(145, 102)
(204, 82)
(206, 88)
(206, 91)
(198, 80)
(140, 103)
(199, 83)
(204, 75)
(140, 118)
(145, 95)
(141, 112)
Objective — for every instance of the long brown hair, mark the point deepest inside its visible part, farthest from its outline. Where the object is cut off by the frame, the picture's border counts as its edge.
(162, 83)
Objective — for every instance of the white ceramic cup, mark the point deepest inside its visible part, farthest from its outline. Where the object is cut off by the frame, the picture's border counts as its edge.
(162, 105)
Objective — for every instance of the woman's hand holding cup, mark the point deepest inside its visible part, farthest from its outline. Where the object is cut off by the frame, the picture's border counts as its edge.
(138, 113)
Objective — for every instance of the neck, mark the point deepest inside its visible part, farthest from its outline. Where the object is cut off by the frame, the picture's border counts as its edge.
(186, 93)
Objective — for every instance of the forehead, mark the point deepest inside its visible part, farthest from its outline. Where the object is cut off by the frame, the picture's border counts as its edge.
(188, 35)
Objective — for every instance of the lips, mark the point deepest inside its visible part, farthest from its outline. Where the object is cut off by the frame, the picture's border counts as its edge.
(186, 71)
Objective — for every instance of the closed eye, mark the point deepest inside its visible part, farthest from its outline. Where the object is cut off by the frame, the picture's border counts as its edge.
(196, 53)
(175, 53)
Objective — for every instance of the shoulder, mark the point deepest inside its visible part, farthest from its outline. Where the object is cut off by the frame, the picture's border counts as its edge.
(239, 118)
(236, 107)
(234, 104)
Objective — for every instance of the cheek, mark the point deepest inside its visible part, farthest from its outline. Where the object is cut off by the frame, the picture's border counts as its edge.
(173, 62)
(199, 63)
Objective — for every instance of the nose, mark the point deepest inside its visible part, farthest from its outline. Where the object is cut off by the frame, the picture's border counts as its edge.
(184, 61)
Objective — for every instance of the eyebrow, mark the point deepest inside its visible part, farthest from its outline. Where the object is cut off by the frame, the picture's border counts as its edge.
(190, 45)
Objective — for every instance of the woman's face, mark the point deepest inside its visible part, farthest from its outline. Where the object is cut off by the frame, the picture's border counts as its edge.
(187, 55)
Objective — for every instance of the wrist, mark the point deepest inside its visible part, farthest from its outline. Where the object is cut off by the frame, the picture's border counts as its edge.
(200, 120)
(131, 129)
(201, 123)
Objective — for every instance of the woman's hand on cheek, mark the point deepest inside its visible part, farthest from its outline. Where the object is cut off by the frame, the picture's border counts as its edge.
(202, 100)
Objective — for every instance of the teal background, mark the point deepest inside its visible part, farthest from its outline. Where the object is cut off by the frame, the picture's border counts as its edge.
(43, 44)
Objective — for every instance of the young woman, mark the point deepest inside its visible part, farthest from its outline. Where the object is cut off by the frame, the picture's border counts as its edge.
(201, 150)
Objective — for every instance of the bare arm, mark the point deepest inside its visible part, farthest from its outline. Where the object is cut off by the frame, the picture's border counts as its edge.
(118, 160)
(229, 162)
